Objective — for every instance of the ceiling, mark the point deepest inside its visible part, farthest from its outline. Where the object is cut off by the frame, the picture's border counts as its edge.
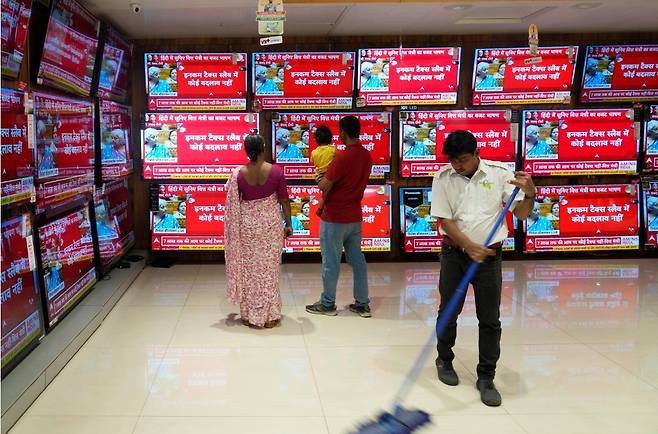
(236, 18)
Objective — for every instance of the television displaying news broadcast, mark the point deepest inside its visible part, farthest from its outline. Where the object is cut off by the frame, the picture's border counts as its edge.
(114, 222)
(17, 155)
(584, 217)
(408, 76)
(67, 255)
(15, 20)
(116, 152)
(420, 229)
(422, 135)
(196, 81)
(188, 217)
(580, 142)
(620, 73)
(114, 77)
(21, 317)
(293, 140)
(69, 51)
(63, 192)
(64, 135)
(303, 80)
(651, 139)
(651, 213)
(513, 76)
(304, 202)
(194, 145)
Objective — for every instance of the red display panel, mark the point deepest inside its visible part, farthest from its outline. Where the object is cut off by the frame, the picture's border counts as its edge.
(64, 136)
(513, 76)
(585, 217)
(114, 78)
(408, 76)
(116, 151)
(422, 135)
(17, 152)
(304, 201)
(189, 217)
(620, 73)
(303, 80)
(21, 318)
(195, 145)
(651, 213)
(69, 51)
(579, 142)
(62, 192)
(15, 19)
(651, 139)
(114, 223)
(293, 140)
(196, 81)
(67, 255)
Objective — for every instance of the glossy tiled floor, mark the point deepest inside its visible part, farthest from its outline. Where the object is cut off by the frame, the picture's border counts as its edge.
(579, 355)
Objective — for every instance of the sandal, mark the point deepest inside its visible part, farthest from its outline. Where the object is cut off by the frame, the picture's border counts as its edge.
(272, 324)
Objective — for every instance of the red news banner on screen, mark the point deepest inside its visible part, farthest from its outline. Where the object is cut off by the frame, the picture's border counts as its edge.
(513, 76)
(67, 254)
(585, 217)
(116, 144)
(620, 73)
(303, 80)
(21, 319)
(114, 79)
(651, 139)
(651, 213)
(64, 191)
(15, 19)
(17, 152)
(114, 224)
(189, 217)
(196, 81)
(408, 76)
(69, 51)
(293, 140)
(580, 142)
(423, 133)
(304, 202)
(195, 145)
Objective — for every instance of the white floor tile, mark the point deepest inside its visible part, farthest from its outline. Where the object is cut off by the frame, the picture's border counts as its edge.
(74, 425)
(224, 425)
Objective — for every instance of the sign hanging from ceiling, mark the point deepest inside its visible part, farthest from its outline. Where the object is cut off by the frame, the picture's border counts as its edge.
(270, 16)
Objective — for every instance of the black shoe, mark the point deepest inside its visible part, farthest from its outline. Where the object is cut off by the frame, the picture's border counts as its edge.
(362, 310)
(447, 373)
(319, 309)
(488, 393)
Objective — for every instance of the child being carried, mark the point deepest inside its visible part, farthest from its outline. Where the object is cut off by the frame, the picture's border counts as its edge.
(322, 156)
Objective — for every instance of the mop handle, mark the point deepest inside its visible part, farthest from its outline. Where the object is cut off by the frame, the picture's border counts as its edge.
(450, 308)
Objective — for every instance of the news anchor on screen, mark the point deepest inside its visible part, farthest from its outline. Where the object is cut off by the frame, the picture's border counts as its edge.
(368, 79)
(536, 147)
(265, 85)
(652, 137)
(286, 151)
(411, 147)
(415, 224)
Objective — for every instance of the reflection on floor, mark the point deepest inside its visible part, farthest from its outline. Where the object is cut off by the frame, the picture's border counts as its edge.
(579, 355)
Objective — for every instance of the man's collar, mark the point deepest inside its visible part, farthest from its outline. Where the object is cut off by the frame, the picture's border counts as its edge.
(482, 167)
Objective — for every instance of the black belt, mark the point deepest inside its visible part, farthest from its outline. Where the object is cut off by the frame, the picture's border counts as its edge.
(449, 242)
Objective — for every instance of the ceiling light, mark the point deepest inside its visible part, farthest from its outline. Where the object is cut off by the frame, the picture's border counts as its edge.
(458, 7)
(585, 6)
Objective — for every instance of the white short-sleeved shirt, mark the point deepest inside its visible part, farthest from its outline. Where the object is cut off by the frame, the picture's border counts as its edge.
(474, 204)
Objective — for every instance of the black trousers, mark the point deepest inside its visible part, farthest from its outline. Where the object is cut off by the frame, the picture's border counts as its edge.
(487, 283)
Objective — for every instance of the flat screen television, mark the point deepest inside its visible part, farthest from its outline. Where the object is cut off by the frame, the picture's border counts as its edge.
(116, 139)
(580, 142)
(114, 75)
(513, 76)
(15, 21)
(194, 145)
(63, 193)
(17, 154)
(620, 73)
(651, 213)
(422, 135)
(408, 76)
(651, 139)
(196, 81)
(293, 140)
(114, 223)
(303, 80)
(584, 218)
(69, 51)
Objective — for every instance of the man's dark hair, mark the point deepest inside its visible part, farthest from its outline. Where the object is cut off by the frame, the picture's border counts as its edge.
(351, 126)
(323, 135)
(254, 145)
(458, 143)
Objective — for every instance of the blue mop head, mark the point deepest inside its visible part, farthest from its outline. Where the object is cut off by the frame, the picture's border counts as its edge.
(402, 422)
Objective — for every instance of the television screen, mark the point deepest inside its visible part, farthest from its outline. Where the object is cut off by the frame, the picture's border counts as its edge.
(114, 222)
(584, 217)
(420, 229)
(293, 140)
(69, 51)
(64, 136)
(651, 139)
(422, 135)
(196, 81)
(64, 192)
(188, 217)
(376, 207)
(303, 80)
(15, 20)
(620, 73)
(211, 144)
(513, 76)
(116, 151)
(651, 213)
(114, 77)
(21, 317)
(67, 255)
(579, 142)
(17, 154)
(408, 76)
